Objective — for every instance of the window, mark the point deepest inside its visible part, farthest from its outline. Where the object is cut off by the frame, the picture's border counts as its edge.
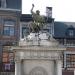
(3, 3)
(8, 57)
(8, 62)
(25, 31)
(5, 57)
(69, 60)
(9, 28)
(11, 57)
(7, 66)
(71, 32)
(69, 42)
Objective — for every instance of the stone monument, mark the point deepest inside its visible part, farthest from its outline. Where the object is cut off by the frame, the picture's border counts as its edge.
(38, 54)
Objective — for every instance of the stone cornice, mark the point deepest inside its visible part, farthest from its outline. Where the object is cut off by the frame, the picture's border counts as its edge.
(46, 48)
(33, 54)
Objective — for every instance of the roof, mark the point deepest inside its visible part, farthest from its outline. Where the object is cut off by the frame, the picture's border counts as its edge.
(28, 18)
(12, 4)
(60, 29)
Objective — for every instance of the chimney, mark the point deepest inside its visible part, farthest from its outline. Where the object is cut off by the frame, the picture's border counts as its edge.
(49, 12)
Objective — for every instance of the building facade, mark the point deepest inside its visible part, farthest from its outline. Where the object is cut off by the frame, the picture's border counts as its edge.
(10, 11)
(65, 34)
(14, 27)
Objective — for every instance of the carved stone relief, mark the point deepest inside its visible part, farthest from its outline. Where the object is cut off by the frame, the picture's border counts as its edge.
(38, 71)
(17, 57)
(38, 55)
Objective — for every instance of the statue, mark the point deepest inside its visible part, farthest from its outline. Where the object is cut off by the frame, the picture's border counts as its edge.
(38, 21)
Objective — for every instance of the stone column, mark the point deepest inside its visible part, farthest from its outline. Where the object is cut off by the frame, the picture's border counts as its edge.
(58, 67)
(18, 67)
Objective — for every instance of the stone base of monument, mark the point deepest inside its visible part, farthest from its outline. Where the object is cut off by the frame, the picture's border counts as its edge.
(41, 57)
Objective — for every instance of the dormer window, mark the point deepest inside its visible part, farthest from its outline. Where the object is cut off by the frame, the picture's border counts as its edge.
(2, 3)
(71, 32)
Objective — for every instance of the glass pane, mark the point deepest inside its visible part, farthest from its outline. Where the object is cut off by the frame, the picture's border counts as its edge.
(25, 31)
(11, 57)
(6, 31)
(71, 33)
(5, 54)
(70, 60)
(6, 28)
(11, 31)
(5, 60)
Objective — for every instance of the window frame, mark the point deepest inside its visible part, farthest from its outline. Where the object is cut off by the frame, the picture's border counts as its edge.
(10, 24)
(67, 62)
(71, 32)
(24, 29)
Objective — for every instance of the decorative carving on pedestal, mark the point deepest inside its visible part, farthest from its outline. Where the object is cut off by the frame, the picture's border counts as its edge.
(38, 71)
(52, 55)
(17, 57)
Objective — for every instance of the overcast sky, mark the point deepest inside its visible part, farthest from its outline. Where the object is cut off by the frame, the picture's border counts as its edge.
(63, 10)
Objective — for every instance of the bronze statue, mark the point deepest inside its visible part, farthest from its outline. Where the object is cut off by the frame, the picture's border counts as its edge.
(38, 20)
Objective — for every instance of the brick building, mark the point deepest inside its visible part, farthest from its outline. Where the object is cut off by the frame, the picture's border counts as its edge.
(64, 32)
(14, 25)
(10, 11)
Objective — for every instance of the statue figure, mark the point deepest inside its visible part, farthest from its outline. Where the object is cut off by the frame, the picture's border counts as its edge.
(38, 21)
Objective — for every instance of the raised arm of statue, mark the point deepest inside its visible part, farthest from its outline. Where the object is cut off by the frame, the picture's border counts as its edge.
(32, 9)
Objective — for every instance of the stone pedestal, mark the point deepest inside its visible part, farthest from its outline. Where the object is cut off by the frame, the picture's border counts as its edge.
(34, 58)
(39, 57)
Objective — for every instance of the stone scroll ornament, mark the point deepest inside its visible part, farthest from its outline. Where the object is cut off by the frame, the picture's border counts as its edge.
(38, 20)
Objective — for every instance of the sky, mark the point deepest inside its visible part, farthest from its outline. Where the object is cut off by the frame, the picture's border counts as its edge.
(62, 10)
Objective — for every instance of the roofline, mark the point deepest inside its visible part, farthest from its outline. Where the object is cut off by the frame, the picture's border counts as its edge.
(66, 21)
(10, 9)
